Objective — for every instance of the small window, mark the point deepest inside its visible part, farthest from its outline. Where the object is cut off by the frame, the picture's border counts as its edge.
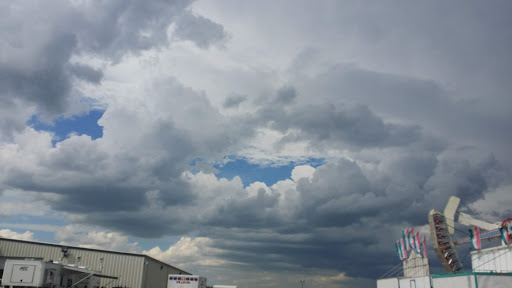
(413, 283)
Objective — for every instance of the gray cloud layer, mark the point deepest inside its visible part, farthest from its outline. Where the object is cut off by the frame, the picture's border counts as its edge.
(200, 30)
(134, 183)
(41, 38)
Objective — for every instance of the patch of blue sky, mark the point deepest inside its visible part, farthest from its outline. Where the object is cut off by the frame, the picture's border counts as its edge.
(44, 220)
(43, 228)
(63, 127)
(250, 172)
(35, 220)
(45, 236)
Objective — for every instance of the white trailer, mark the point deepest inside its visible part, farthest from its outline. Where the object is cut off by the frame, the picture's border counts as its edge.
(388, 283)
(415, 282)
(494, 259)
(24, 273)
(186, 281)
(38, 273)
(403, 282)
(473, 280)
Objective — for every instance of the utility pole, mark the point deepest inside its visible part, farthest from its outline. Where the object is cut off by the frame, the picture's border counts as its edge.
(302, 283)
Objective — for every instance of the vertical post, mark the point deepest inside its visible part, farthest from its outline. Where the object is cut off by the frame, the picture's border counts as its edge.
(302, 283)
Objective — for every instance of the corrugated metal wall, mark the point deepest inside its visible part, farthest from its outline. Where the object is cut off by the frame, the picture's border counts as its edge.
(127, 267)
(156, 273)
(130, 268)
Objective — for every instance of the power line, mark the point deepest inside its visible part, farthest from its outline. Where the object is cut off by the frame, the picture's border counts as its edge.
(392, 270)
(466, 256)
(455, 228)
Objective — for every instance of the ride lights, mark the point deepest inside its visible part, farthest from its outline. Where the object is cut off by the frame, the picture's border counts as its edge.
(438, 219)
(442, 243)
(456, 269)
(452, 262)
(446, 250)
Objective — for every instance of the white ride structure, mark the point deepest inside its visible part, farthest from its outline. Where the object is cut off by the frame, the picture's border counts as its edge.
(442, 225)
(491, 267)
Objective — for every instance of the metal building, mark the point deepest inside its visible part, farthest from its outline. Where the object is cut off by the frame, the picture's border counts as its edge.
(133, 270)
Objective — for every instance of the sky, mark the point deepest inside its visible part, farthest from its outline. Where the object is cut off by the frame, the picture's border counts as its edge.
(257, 143)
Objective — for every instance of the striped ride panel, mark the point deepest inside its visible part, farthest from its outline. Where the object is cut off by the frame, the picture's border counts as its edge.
(487, 235)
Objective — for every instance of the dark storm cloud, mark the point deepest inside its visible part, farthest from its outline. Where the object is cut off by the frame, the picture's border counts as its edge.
(337, 196)
(285, 95)
(116, 27)
(255, 211)
(339, 107)
(137, 163)
(322, 249)
(139, 224)
(335, 213)
(345, 219)
(87, 176)
(340, 194)
(50, 34)
(80, 185)
(330, 125)
(416, 173)
(13, 119)
(164, 153)
(85, 195)
(465, 178)
(47, 84)
(233, 101)
(87, 73)
(423, 103)
(201, 31)
(96, 197)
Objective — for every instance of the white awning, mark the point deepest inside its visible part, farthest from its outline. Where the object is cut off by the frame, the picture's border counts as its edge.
(86, 271)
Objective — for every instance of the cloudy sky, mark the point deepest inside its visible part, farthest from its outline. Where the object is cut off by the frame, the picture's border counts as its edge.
(256, 143)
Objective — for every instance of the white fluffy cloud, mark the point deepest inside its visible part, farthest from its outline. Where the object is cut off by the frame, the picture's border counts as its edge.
(73, 236)
(6, 233)
(189, 253)
(495, 204)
